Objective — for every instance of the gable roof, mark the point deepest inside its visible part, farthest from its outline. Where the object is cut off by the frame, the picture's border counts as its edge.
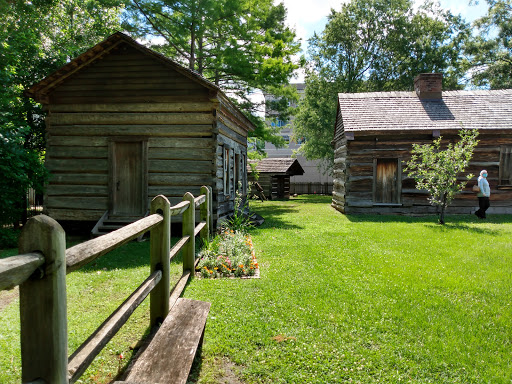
(44, 87)
(278, 165)
(392, 111)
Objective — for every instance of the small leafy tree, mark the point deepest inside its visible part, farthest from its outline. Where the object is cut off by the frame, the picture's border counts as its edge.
(437, 169)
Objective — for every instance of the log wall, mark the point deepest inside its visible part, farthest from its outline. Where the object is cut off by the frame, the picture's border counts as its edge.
(127, 95)
(229, 135)
(354, 172)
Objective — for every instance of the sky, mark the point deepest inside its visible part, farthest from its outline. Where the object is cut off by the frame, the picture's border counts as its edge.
(309, 16)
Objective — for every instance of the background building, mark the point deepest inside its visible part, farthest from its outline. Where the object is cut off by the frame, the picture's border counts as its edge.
(313, 180)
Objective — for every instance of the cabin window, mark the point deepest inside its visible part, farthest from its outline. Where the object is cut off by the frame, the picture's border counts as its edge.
(506, 166)
(387, 181)
(237, 171)
(225, 161)
(244, 174)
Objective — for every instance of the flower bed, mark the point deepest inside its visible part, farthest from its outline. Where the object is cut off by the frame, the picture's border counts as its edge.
(229, 254)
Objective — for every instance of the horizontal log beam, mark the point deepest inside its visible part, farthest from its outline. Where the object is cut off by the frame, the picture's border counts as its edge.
(130, 118)
(179, 208)
(17, 269)
(178, 246)
(199, 200)
(134, 107)
(84, 253)
(199, 228)
(178, 289)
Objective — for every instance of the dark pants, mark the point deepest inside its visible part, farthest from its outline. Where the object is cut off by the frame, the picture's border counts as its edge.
(484, 203)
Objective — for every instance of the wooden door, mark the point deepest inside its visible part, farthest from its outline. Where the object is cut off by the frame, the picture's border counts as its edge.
(278, 184)
(387, 181)
(128, 168)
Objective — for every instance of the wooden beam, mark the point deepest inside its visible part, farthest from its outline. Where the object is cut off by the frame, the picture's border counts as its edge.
(16, 269)
(178, 246)
(199, 200)
(160, 245)
(179, 208)
(199, 228)
(43, 311)
(129, 118)
(169, 356)
(188, 230)
(84, 253)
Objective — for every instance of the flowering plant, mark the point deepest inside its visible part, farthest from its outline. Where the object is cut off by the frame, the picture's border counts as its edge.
(230, 253)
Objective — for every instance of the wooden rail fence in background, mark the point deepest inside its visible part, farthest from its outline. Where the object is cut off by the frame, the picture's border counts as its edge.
(311, 188)
(41, 267)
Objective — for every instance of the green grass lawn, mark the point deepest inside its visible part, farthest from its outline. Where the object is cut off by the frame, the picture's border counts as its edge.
(369, 299)
(365, 299)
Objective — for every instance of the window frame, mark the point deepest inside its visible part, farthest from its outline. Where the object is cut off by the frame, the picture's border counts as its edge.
(226, 169)
(505, 151)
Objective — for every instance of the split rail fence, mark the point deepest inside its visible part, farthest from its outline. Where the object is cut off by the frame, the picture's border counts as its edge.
(41, 267)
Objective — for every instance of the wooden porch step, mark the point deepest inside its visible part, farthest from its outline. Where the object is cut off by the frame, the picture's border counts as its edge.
(170, 354)
(109, 223)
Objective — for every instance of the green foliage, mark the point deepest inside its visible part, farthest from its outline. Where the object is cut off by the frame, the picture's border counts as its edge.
(374, 45)
(36, 38)
(438, 170)
(490, 51)
(240, 45)
(8, 237)
(239, 221)
(229, 254)
(21, 168)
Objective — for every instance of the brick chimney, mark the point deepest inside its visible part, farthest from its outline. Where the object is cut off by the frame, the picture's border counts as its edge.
(429, 85)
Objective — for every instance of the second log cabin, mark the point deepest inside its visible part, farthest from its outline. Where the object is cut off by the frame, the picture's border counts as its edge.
(373, 138)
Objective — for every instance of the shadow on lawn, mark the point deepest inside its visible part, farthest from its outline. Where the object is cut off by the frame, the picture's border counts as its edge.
(131, 255)
(453, 222)
(274, 216)
(312, 199)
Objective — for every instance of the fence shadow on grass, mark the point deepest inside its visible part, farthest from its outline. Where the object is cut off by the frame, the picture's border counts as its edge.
(131, 255)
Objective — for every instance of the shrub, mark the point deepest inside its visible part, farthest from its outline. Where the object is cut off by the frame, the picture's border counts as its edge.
(9, 237)
(229, 254)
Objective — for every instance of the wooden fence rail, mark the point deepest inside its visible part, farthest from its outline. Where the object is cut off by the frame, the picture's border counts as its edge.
(41, 267)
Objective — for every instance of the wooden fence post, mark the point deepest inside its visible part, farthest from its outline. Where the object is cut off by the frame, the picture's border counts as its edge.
(43, 310)
(205, 213)
(189, 224)
(160, 247)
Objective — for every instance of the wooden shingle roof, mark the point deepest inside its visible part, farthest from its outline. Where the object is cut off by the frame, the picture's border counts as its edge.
(283, 166)
(392, 111)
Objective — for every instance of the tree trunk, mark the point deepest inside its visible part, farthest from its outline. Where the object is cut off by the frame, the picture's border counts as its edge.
(192, 59)
(443, 209)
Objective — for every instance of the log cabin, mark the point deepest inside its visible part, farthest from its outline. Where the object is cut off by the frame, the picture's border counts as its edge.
(373, 138)
(274, 176)
(125, 124)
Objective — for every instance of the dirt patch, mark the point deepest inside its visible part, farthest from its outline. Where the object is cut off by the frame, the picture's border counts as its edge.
(230, 371)
(214, 370)
(7, 297)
